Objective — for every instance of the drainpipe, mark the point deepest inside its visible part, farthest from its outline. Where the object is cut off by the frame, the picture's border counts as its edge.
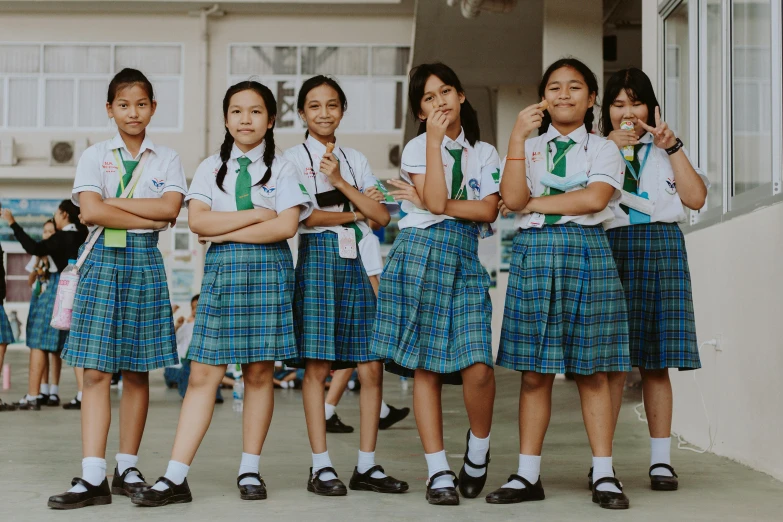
(204, 15)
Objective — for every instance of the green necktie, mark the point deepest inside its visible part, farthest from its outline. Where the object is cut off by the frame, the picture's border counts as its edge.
(456, 175)
(357, 232)
(129, 166)
(242, 187)
(559, 170)
(631, 184)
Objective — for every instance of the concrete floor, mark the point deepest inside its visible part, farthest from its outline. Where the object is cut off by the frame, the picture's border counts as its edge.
(41, 451)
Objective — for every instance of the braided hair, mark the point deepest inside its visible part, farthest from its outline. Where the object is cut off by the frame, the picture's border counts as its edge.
(269, 137)
(590, 81)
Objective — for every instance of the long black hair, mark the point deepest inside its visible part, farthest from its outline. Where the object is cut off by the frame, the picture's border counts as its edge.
(418, 79)
(68, 207)
(637, 86)
(126, 78)
(317, 81)
(590, 80)
(269, 137)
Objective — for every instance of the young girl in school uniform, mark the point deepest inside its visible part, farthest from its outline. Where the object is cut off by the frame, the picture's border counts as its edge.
(649, 250)
(62, 238)
(434, 311)
(565, 309)
(122, 313)
(334, 303)
(247, 202)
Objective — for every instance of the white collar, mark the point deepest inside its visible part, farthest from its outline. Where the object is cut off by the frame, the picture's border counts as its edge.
(647, 138)
(577, 135)
(118, 143)
(317, 147)
(461, 140)
(253, 155)
(70, 227)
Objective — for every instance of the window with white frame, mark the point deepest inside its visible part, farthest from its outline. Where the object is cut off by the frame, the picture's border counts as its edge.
(738, 99)
(677, 73)
(373, 78)
(63, 86)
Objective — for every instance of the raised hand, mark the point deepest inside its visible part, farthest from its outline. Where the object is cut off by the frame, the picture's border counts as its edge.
(663, 136)
(623, 138)
(331, 168)
(528, 120)
(437, 124)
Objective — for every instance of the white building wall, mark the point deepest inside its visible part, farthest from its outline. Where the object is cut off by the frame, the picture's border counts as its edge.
(737, 290)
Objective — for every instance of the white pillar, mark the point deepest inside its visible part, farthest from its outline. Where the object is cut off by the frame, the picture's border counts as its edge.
(574, 29)
(650, 22)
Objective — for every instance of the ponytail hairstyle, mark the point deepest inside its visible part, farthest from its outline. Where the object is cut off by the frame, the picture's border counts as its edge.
(269, 137)
(317, 81)
(637, 86)
(126, 78)
(590, 81)
(418, 79)
(68, 207)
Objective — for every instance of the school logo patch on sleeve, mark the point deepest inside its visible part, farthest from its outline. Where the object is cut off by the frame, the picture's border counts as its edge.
(496, 176)
(304, 190)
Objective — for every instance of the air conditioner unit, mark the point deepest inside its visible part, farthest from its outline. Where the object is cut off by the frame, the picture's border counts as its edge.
(7, 152)
(64, 153)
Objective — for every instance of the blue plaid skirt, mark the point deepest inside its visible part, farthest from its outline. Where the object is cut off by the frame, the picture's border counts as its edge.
(565, 307)
(653, 267)
(434, 310)
(244, 311)
(6, 334)
(122, 313)
(334, 304)
(40, 335)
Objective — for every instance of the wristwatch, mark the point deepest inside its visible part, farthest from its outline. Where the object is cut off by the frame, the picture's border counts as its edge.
(677, 146)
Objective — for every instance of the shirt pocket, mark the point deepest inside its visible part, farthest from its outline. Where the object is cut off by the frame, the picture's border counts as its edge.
(151, 184)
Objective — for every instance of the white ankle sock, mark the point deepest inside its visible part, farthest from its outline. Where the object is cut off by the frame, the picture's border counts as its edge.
(249, 464)
(602, 467)
(529, 469)
(477, 454)
(438, 462)
(79, 396)
(366, 461)
(322, 460)
(385, 411)
(284, 384)
(125, 461)
(329, 410)
(54, 389)
(660, 453)
(93, 471)
(44, 389)
(176, 472)
(29, 397)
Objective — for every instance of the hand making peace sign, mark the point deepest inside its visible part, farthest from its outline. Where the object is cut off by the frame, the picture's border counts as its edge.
(663, 136)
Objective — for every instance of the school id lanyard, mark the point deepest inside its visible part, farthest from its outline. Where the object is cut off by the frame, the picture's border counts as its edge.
(122, 171)
(312, 167)
(641, 165)
(550, 165)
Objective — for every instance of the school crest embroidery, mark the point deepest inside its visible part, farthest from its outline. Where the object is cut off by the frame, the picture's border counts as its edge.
(267, 190)
(309, 172)
(536, 156)
(496, 176)
(671, 187)
(158, 184)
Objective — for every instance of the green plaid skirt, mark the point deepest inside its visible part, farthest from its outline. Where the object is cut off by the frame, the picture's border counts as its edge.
(334, 304)
(565, 307)
(244, 311)
(653, 267)
(6, 334)
(434, 310)
(122, 312)
(40, 335)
